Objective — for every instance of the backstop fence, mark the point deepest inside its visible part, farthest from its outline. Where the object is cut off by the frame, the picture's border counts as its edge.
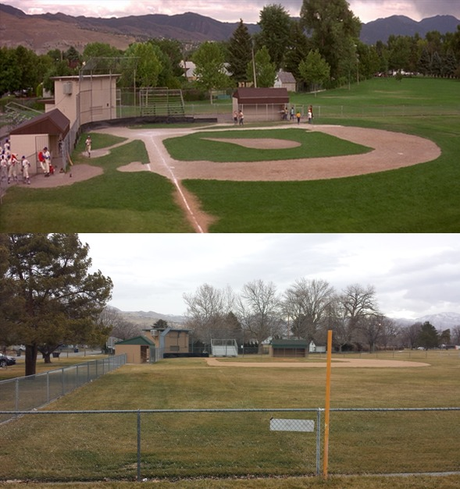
(183, 443)
(35, 391)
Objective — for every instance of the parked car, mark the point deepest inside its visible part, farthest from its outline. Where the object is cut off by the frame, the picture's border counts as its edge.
(6, 360)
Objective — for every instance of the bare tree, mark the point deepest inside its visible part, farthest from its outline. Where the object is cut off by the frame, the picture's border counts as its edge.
(120, 327)
(355, 304)
(306, 303)
(259, 311)
(410, 335)
(207, 312)
(455, 335)
(376, 330)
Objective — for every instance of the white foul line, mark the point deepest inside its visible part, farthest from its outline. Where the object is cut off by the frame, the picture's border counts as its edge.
(176, 183)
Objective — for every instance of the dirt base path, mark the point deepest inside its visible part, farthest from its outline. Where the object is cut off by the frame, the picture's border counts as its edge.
(336, 363)
(391, 151)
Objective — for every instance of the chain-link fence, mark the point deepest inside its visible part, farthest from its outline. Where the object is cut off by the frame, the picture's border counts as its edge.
(170, 443)
(34, 391)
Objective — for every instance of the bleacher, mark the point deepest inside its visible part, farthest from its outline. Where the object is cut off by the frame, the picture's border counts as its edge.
(161, 102)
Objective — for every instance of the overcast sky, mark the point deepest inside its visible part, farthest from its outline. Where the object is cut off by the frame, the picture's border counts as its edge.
(414, 275)
(232, 11)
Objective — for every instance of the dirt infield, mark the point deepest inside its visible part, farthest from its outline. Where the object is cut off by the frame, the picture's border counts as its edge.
(336, 363)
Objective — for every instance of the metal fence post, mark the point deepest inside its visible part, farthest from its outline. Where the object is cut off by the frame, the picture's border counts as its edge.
(47, 387)
(139, 445)
(318, 441)
(17, 394)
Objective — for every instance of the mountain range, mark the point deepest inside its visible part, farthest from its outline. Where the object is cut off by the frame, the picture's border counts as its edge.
(44, 32)
(444, 320)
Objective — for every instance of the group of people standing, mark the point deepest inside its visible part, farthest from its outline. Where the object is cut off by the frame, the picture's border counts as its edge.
(292, 114)
(10, 166)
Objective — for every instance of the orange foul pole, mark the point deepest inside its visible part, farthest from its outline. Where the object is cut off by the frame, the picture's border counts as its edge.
(328, 404)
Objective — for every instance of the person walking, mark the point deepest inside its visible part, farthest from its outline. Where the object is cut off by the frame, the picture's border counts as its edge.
(310, 114)
(298, 116)
(88, 145)
(241, 117)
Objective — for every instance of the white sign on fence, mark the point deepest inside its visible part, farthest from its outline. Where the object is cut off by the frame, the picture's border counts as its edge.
(304, 425)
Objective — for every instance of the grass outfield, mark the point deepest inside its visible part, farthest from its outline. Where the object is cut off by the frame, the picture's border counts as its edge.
(230, 446)
(421, 198)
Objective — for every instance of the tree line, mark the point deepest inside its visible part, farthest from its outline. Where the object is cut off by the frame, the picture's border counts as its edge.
(320, 48)
(306, 310)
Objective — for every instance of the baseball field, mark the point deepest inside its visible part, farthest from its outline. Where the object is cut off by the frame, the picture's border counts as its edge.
(381, 157)
(206, 424)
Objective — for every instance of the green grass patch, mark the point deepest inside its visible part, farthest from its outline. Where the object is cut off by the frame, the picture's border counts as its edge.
(196, 146)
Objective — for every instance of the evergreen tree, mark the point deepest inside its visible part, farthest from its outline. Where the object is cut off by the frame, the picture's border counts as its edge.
(298, 49)
(436, 65)
(239, 52)
(424, 64)
(58, 300)
(428, 337)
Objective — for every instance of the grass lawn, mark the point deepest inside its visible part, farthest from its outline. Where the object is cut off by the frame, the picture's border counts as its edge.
(231, 446)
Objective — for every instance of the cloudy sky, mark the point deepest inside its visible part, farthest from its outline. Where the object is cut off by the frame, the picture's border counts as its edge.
(248, 10)
(414, 275)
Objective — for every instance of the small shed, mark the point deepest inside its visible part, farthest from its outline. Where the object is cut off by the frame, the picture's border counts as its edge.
(30, 137)
(289, 348)
(137, 349)
(261, 104)
(285, 79)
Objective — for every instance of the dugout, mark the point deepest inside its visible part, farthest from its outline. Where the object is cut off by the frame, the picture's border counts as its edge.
(30, 137)
(289, 348)
(261, 104)
(138, 349)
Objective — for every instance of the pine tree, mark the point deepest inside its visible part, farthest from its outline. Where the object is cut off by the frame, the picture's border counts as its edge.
(59, 300)
(239, 52)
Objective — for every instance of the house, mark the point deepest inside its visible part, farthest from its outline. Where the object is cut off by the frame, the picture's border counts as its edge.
(261, 104)
(189, 70)
(285, 79)
(30, 137)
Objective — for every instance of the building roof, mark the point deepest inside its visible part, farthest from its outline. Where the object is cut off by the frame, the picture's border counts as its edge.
(251, 95)
(54, 123)
(285, 77)
(137, 340)
(289, 344)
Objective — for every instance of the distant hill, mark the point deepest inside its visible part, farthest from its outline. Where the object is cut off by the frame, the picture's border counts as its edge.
(399, 25)
(443, 320)
(44, 32)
